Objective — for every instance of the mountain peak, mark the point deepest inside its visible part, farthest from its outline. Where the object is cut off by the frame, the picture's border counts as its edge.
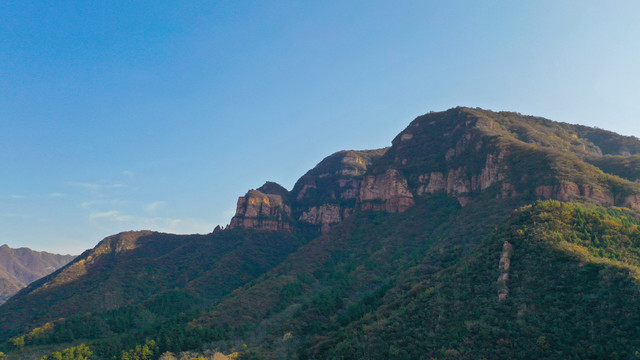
(273, 188)
(462, 152)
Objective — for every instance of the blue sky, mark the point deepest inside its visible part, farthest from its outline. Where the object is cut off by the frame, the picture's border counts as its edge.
(126, 115)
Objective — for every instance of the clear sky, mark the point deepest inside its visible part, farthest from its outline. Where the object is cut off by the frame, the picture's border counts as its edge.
(121, 115)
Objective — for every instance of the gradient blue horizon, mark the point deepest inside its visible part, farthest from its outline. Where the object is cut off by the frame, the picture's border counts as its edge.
(119, 116)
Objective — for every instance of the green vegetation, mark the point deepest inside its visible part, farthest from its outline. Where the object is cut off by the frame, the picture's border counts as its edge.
(80, 352)
(186, 273)
(573, 291)
(627, 167)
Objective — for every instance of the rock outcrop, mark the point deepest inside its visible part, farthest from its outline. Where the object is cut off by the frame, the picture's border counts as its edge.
(464, 153)
(266, 208)
(386, 192)
(503, 270)
(571, 191)
(631, 201)
(325, 215)
(330, 192)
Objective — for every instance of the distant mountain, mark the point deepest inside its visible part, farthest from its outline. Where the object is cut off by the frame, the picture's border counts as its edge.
(476, 234)
(20, 267)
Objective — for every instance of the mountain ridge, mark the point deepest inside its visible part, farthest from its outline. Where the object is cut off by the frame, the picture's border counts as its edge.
(21, 266)
(370, 244)
(492, 145)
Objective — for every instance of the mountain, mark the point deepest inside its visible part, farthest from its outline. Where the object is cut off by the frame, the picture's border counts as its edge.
(476, 234)
(20, 267)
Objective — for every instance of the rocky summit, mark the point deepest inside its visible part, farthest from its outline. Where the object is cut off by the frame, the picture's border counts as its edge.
(476, 234)
(462, 152)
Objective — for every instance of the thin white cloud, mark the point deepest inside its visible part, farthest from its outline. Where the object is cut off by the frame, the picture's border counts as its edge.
(86, 185)
(154, 207)
(176, 226)
(16, 196)
(128, 174)
(56, 195)
(112, 215)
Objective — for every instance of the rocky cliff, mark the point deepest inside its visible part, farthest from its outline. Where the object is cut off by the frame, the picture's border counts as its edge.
(385, 192)
(266, 208)
(464, 153)
(330, 191)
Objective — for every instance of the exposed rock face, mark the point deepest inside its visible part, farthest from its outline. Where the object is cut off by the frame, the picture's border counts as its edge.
(631, 201)
(458, 183)
(325, 215)
(388, 192)
(462, 153)
(503, 269)
(266, 208)
(571, 191)
(329, 192)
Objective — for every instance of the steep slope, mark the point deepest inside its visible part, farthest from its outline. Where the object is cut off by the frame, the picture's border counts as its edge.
(405, 252)
(338, 277)
(328, 193)
(267, 208)
(556, 281)
(320, 199)
(20, 267)
(464, 152)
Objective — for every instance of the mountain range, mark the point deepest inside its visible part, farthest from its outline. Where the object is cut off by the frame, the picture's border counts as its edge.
(20, 267)
(476, 234)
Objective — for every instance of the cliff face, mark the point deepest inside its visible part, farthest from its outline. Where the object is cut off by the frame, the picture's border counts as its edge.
(386, 192)
(266, 209)
(323, 197)
(330, 192)
(462, 153)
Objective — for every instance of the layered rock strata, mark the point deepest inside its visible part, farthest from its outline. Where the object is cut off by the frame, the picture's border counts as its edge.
(266, 208)
(460, 152)
(386, 192)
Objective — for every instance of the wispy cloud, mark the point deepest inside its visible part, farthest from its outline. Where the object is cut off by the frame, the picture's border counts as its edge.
(154, 207)
(177, 226)
(112, 215)
(16, 196)
(115, 218)
(56, 195)
(128, 174)
(103, 202)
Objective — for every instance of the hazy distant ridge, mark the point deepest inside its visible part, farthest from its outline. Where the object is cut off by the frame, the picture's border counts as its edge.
(19, 267)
